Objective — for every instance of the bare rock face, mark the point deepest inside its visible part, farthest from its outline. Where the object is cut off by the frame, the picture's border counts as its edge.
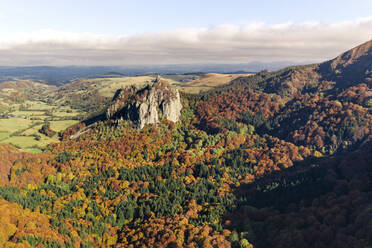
(147, 105)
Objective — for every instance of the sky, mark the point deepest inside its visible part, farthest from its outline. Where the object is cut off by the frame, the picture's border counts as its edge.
(113, 32)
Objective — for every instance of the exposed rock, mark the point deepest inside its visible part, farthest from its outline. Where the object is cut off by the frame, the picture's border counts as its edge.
(147, 105)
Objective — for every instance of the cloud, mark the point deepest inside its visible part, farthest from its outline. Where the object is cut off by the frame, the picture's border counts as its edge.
(297, 42)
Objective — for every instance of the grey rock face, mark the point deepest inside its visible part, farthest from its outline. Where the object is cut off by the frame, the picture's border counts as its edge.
(119, 101)
(147, 105)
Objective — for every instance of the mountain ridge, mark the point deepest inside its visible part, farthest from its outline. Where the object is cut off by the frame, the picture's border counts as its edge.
(276, 159)
(351, 67)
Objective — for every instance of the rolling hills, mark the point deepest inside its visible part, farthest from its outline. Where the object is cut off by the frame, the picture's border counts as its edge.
(25, 105)
(275, 159)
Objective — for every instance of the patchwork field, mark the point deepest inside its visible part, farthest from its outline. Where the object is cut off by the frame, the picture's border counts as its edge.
(191, 83)
(21, 141)
(24, 108)
(25, 134)
(4, 135)
(33, 129)
(25, 105)
(203, 82)
(215, 79)
(14, 124)
(110, 85)
(38, 105)
(62, 125)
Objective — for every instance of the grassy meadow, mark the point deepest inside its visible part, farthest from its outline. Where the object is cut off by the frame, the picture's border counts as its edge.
(25, 105)
(21, 118)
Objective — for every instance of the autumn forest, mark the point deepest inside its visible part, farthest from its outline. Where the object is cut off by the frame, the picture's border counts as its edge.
(275, 159)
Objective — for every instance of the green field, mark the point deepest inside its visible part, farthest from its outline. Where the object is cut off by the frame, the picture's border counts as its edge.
(20, 141)
(27, 142)
(31, 150)
(30, 113)
(22, 123)
(26, 138)
(62, 125)
(33, 129)
(23, 117)
(4, 135)
(110, 85)
(12, 125)
(38, 105)
(62, 113)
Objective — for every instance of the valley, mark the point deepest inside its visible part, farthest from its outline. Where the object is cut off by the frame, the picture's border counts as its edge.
(26, 105)
(272, 159)
(25, 108)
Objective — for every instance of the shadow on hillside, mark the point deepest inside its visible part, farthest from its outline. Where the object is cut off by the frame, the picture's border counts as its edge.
(316, 203)
(94, 119)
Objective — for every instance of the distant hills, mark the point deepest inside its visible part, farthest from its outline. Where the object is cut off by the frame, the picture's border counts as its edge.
(350, 68)
(61, 75)
(275, 159)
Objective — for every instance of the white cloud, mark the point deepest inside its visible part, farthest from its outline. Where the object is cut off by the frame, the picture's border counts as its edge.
(310, 42)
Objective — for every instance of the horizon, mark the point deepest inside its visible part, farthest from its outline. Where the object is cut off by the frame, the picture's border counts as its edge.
(116, 33)
(198, 124)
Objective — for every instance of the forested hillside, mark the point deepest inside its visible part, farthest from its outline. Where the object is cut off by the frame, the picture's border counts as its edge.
(277, 159)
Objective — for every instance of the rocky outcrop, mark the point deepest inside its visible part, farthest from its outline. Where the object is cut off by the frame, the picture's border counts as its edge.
(146, 106)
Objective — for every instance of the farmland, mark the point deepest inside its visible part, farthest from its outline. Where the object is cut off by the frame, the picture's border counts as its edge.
(23, 112)
(25, 106)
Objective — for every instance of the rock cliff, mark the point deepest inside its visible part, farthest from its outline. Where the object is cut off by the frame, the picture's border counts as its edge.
(147, 105)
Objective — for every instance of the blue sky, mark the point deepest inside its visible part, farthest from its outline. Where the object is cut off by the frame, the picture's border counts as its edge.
(131, 17)
(164, 31)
